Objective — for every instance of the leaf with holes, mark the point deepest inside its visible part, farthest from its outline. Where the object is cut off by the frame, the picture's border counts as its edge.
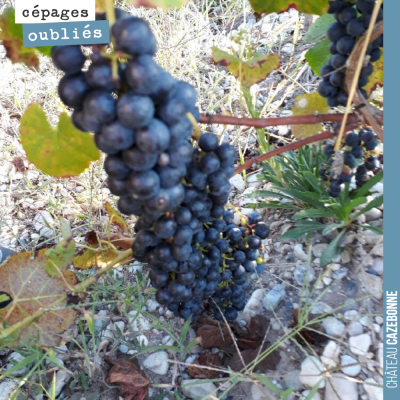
(376, 78)
(315, 7)
(116, 217)
(308, 104)
(318, 56)
(24, 278)
(247, 72)
(166, 4)
(61, 151)
(60, 258)
(12, 37)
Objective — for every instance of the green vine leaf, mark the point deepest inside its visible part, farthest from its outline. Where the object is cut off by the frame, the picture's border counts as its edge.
(61, 151)
(315, 7)
(23, 276)
(318, 56)
(247, 72)
(12, 37)
(304, 105)
(317, 30)
(60, 258)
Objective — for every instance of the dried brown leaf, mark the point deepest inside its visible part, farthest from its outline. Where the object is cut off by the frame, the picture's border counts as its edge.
(214, 336)
(207, 360)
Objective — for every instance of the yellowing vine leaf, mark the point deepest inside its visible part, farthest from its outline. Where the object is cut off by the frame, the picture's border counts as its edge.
(93, 257)
(304, 105)
(376, 78)
(12, 37)
(60, 151)
(116, 217)
(24, 278)
(247, 72)
(316, 7)
(60, 258)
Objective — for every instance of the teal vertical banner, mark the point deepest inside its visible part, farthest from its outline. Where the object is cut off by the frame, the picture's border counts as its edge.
(391, 284)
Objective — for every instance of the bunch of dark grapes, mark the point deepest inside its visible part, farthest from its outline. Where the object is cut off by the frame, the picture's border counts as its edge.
(353, 161)
(352, 21)
(179, 190)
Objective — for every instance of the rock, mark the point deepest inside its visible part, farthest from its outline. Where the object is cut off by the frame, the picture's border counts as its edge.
(378, 265)
(62, 378)
(353, 370)
(373, 214)
(321, 308)
(197, 388)
(13, 359)
(304, 275)
(340, 274)
(157, 362)
(331, 354)
(254, 181)
(351, 315)
(152, 305)
(137, 322)
(123, 348)
(238, 182)
(100, 320)
(274, 297)
(254, 304)
(351, 288)
(373, 392)
(318, 249)
(310, 374)
(6, 388)
(196, 348)
(43, 223)
(370, 237)
(143, 341)
(291, 379)
(355, 328)
(299, 252)
(261, 392)
(306, 393)
(378, 250)
(287, 48)
(374, 285)
(339, 387)
(333, 327)
(360, 344)
(380, 357)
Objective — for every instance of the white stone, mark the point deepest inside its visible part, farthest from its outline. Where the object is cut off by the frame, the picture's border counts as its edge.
(365, 320)
(351, 315)
(355, 328)
(305, 394)
(318, 249)
(333, 327)
(310, 374)
(143, 341)
(370, 237)
(374, 285)
(274, 297)
(238, 182)
(6, 388)
(152, 305)
(100, 320)
(44, 224)
(198, 389)
(320, 308)
(138, 323)
(287, 48)
(62, 378)
(379, 358)
(299, 252)
(331, 350)
(304, 274)
(360, 344)
(157, 362)
(261, 392)
(353, 370)
(373, 392)
(254, 304)
(378, 265)
(378, 250)
(254, 181)
(340, 387)
(373, 214)
(14, 359)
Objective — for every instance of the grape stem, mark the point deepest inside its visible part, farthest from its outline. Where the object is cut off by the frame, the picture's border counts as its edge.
(276, 121)
(110, 12)
(293, 146)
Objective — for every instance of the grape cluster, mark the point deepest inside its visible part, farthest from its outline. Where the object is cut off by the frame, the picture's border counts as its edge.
(354, 161)
(177, 189)
(352, 21)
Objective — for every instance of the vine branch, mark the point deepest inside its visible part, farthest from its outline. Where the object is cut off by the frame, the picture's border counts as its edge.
(280, 150)
(276, 121)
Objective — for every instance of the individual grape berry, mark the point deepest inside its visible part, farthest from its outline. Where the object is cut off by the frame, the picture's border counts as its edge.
(135, 111)
(99, 76)
(336, 31)
(98, 109)
(338, 61)
(371, 144)
(114, 138)
(154, 137)
(144, 185)
(337, 79)
(346, 15)
(134, 36)
(115, 166)
(352, 139)
(357, 152)
(69, 59)
(208, 142)
(326, 89)
(329, 150)
(139, 160)
(129, 206)
(371, 163)
(165, 227)
(356, 27)
(72, 90)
